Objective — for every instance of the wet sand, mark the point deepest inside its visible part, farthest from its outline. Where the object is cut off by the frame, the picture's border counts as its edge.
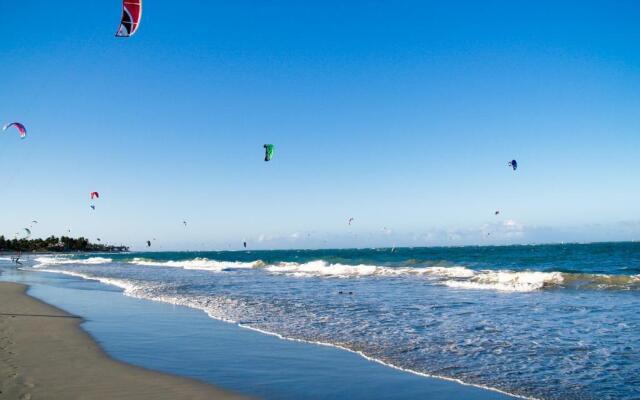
(44, 354)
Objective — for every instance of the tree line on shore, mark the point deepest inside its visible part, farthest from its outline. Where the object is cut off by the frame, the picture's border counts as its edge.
(55, 244)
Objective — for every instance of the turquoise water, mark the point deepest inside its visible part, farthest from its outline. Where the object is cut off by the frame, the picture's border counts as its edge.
(548, 321)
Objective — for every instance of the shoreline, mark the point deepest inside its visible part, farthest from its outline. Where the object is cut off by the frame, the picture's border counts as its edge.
(44, 353)
(228, 355)
(114, 283)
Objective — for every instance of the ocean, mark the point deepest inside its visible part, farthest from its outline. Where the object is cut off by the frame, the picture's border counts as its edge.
(537, 321)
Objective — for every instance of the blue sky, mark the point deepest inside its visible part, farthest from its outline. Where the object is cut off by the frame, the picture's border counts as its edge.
(400, 114)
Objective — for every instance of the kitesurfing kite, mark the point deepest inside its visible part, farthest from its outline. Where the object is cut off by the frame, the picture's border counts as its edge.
(34, 222)
(28, 231)
(131, 15)
(98, 239)
(244, 244)
(21, 129)
(94, 195)
(513, 164)
(148, 243)
(350, 221)
(497, 212)
(185, 223)
(268, 152)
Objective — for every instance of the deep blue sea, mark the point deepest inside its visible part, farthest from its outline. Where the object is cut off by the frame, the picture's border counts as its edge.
(539, 321)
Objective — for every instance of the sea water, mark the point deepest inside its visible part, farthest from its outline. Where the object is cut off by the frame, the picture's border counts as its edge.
(540, 321)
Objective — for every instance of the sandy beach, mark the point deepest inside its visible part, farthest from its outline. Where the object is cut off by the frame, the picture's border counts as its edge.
(44, 354)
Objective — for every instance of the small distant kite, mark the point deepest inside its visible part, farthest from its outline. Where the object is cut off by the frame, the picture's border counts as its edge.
(131, 16)
(93, 196)
(184, 223)
(28, 231)
(21, 129)
(148, 243)
(268, 152)
(34, 222)
(98, 239)
(496, 212)
(513, 164)
(244, 244)
(350, 221)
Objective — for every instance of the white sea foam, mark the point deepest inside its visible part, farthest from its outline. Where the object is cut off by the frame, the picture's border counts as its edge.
(128, 287)
(454, 276)
(322, 268)
(48, 260)
(457, 277)
(449, 272)
(508, 281)
(204, 264)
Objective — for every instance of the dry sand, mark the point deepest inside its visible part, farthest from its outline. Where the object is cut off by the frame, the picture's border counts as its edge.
(44, 354)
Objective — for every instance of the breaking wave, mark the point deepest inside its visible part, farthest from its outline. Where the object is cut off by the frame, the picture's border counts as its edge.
(460, 277)
(509, 281)
(204, 264)
(66, 260)
(456, 277)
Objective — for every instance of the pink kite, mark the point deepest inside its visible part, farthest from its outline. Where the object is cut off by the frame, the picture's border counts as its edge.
(21, 129)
